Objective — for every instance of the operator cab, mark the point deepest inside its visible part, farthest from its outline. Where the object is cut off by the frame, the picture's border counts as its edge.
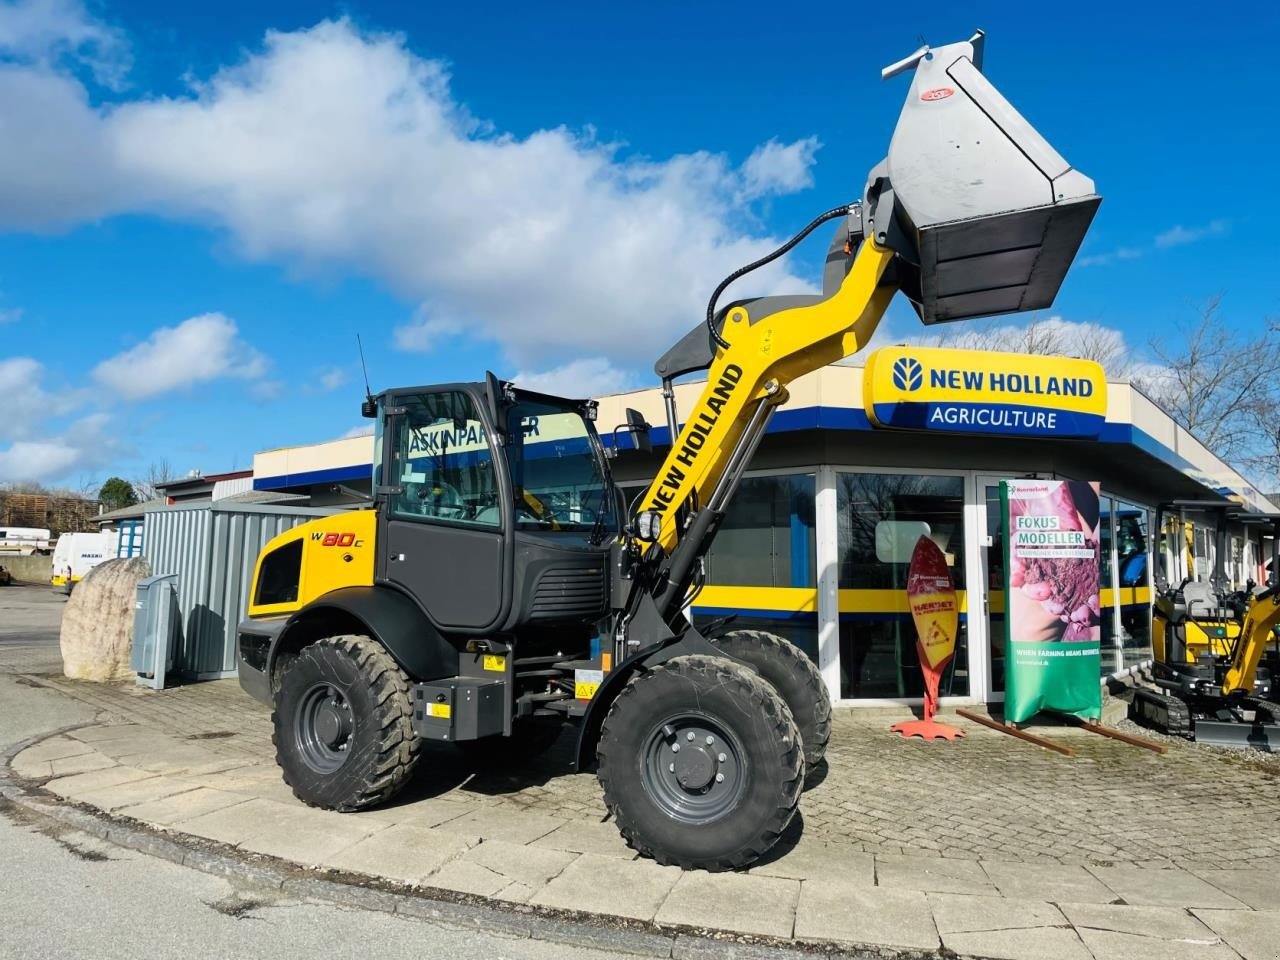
(495, 504)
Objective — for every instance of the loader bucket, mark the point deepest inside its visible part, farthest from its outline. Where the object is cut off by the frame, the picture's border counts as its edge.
(986, 215)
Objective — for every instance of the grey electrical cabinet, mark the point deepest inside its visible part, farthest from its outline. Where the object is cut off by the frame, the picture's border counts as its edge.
(156, 627)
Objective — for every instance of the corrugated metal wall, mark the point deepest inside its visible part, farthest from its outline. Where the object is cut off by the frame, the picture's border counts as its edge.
(212, 547)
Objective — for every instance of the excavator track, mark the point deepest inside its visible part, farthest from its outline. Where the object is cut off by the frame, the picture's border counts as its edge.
(1161, 712)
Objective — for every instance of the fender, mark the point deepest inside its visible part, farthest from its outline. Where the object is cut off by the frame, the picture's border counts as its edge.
(654, 654)
(391, 618)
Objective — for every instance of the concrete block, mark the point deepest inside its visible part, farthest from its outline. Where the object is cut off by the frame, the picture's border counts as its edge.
(74, 786)
(765, 906)
(1163, 887)
(529, 865)
(814, 859)
(103, 731)
(588, 836)
(175, 808)
(1009, 929)
(81, 764)
(852, 913)
(1054, 882)
(1254, 934)
(233, 825)
(301, 834)
(933, 874)
(496, 823)
(136, 791)
(401, 852)
(613, 887)
(55, 748)
(1245, 885)
(1115, 932)
(466, 876)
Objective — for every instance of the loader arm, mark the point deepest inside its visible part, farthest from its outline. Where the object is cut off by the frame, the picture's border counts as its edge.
(748, 379)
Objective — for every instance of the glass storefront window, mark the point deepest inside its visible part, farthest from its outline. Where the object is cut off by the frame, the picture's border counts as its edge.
(879, 519)
(767, 537)
(1133, 561)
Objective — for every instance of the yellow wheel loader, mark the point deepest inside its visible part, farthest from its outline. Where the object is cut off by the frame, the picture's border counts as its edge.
(499, 586)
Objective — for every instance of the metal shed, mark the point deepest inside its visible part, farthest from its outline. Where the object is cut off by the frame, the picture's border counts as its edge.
(212, 547)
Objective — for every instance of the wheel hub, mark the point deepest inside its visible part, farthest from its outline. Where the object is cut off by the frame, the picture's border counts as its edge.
(323, 727)
(694, 768)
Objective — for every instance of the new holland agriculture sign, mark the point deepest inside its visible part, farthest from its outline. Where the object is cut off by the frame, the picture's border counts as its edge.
(976, 391)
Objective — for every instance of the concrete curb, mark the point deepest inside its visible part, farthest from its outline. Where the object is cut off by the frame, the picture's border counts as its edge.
(522, 921)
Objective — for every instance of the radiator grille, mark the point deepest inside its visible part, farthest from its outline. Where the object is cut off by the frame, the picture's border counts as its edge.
(563, 593)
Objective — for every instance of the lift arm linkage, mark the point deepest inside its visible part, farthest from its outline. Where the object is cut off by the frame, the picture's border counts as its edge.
(751, 374)
(1256, 633)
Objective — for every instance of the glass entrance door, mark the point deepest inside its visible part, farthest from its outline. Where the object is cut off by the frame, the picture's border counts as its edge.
(987, 600)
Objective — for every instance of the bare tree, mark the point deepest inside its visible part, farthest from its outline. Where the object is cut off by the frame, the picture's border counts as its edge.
(1223, 384)
(158, 472)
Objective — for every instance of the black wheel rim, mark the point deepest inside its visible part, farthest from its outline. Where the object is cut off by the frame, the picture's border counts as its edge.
(324, 727)
(694, 768)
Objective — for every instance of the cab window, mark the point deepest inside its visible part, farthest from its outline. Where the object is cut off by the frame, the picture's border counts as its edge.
(443, 463)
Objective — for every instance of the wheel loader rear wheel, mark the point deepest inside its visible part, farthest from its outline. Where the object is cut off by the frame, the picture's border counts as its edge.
(342, 725)
(794, 676)
(701, 764)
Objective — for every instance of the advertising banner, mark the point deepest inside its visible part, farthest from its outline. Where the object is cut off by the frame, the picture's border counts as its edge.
(1052, 605)
(931, 595)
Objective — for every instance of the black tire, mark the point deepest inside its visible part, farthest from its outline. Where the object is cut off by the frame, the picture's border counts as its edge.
(342, 722)
(794, 676)
(529, 738)
(686, 816)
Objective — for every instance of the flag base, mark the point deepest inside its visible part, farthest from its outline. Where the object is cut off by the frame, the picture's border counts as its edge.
(927, 730)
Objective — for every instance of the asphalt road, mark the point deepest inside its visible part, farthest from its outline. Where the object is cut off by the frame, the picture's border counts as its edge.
(70, 895)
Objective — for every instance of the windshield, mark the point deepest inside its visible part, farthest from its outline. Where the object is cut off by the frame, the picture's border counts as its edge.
(557, 468)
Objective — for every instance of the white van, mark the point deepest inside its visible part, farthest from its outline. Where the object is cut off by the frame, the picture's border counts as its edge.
(23, 541)
(76, 554)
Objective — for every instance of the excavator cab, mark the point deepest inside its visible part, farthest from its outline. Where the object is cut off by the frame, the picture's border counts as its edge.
(985, 215)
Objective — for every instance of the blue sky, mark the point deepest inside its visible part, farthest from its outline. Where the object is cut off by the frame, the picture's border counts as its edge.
(201, 206)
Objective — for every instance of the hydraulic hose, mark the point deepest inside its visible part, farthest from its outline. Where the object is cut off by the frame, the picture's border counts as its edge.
(716, 339)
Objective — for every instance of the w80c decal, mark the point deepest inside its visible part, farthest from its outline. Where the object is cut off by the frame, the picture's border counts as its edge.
(337, 539)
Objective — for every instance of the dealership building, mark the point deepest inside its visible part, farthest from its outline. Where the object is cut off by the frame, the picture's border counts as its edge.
(861, 461)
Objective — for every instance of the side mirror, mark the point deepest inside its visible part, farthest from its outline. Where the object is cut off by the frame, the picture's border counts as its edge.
(494, 395)
(639, 428)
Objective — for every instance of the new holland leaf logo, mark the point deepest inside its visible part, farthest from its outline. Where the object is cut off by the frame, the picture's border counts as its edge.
(908, 374)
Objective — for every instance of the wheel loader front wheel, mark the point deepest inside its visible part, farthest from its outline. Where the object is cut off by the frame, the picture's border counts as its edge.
(342, 724)
(701, 763)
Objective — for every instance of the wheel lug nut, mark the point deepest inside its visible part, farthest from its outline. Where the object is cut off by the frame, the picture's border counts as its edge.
(675, 748)
(671, 767)
(710, 741)
(722, 758)
(690, 736)
(719, 778)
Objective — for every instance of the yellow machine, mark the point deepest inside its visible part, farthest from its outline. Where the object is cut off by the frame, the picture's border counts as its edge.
(499, 588)
(1208, 646)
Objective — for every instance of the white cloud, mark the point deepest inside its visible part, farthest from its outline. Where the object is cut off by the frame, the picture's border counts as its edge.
(85, 444)
(331, 378)
(775, 167)
(1179, 235)
(28, 405)
(588, 377)
(203, 348)
(364, 430)
(1111, 256)
(336, 148)
(12, 315)
(47, 31)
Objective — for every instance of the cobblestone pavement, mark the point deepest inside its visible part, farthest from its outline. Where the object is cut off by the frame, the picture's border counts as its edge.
(989, 797)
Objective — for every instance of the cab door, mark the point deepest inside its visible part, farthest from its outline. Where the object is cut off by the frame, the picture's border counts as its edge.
(443, 517)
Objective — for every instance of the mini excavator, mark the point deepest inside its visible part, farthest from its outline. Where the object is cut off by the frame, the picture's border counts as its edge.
(1208, 681)
(499, 588)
